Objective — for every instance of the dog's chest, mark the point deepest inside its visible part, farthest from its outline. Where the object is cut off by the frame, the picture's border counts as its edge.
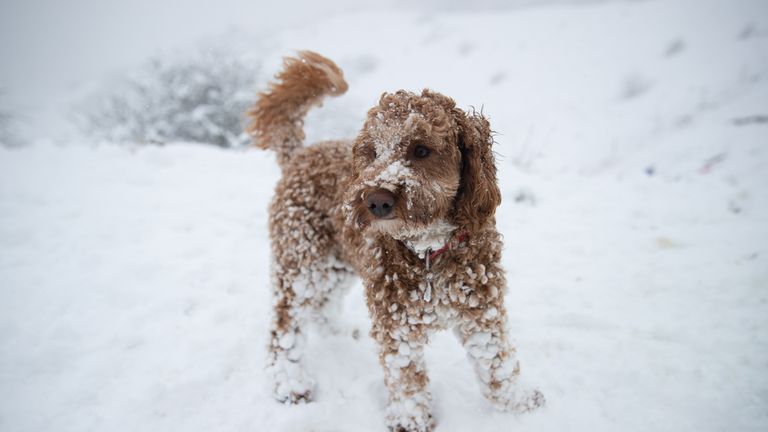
(443, 298)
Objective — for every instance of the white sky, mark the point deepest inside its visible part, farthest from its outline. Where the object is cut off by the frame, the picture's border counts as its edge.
(50, 45)
(47, 44)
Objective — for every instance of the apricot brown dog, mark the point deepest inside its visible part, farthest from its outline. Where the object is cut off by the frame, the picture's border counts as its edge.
(409, 207)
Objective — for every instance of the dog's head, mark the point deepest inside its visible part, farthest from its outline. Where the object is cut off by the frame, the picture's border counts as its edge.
(419, 161)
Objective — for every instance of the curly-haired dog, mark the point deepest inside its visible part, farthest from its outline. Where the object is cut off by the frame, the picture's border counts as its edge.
(409, 206)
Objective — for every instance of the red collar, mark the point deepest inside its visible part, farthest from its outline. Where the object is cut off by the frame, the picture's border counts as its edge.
(460, 240)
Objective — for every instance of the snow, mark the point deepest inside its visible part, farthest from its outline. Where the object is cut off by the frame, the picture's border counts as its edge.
(633, 165)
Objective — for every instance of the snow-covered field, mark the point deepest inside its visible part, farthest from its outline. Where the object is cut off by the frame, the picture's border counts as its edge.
(633, 157)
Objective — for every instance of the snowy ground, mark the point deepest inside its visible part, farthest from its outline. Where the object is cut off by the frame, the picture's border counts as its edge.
(633, 141)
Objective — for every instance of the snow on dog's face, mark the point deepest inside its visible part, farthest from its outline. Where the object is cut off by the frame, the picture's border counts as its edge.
(408, 165)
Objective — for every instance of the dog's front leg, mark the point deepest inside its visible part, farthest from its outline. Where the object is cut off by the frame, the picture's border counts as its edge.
(495, 361)
(405, 376)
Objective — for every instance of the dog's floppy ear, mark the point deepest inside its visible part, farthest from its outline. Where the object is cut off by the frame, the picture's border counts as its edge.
(478, 195)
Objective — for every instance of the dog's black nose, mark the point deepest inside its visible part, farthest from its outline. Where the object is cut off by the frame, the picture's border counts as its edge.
(381, 203)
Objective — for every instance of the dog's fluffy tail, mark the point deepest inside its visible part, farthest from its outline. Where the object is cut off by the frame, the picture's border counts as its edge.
(278, 116)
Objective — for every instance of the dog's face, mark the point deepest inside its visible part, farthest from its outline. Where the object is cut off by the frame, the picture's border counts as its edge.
(414, 167)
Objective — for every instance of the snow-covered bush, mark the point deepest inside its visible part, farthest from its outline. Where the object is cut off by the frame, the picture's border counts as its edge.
(200, 98)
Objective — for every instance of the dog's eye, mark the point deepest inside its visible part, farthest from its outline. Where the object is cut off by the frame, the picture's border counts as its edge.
(420, 152)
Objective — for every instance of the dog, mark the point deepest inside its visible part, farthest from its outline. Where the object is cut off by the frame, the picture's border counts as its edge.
(408, 206)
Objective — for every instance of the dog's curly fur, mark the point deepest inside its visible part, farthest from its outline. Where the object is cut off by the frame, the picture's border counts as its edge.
(428, 256)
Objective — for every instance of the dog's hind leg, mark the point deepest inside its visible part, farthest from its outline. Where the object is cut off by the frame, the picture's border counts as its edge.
(328, 316)
(305, 275)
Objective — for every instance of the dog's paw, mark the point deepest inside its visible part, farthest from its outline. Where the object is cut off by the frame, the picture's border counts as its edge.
(400, 428)
(519, 401)
(409, 416)
(294, 392)
(295, 398)
(412, 426)
(528, 400)
(292, 385)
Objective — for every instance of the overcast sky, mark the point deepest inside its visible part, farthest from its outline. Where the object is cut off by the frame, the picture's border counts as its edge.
(49, 44)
